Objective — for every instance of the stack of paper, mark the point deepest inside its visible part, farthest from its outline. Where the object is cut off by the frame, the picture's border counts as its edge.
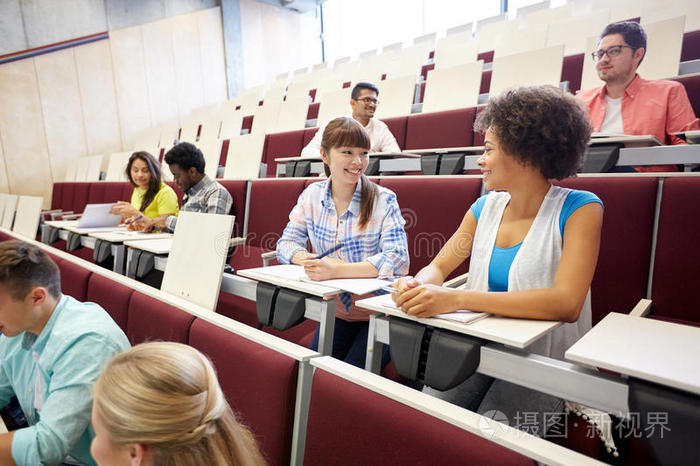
(357, 286)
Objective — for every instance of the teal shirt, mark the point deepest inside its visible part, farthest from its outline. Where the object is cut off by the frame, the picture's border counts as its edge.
(52, 376)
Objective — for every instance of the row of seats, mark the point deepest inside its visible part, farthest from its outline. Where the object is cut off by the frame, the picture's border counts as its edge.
(267, 380)
(640, 244)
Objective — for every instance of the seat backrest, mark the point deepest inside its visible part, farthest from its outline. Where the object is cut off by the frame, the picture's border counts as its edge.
(80, 196)
(433, 208)
(279, 145)
(112, 296)
(675, 281)
(440, 129)
(397, 126)
(452, 88)
(692, 88)
(271, 201)
(259, 384)
(74, 279)
(621, 275)
(150, 319)
(515, 70)
(336, 434)
(57, 196)
(238, 190)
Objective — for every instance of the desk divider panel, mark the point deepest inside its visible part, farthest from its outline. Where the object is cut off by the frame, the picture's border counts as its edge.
(196, 261)
(27, 218)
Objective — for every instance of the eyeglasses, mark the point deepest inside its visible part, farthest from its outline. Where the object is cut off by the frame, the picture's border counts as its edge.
(368, 100)
(613, 51)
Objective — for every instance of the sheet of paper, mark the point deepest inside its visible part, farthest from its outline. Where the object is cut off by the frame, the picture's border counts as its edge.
(463, 316)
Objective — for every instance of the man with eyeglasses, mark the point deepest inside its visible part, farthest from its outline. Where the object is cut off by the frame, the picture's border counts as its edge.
(363, 102)
(628, 104)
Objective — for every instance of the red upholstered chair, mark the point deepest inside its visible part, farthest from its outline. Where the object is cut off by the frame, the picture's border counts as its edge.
(74, 279)
(452, 128)
(433, 208)
(80, 197)
(349, 424)
(68, 192)
(309, 134)
(57, 196)
(675, 281)
(112, 296)
(279, 145)
(238, 190)
(177, 190)
(486, 56)
(113, 191)
(150, 319)
(485, 82)
(312, 114)
(572, 70)
(271, 200)
(692, 87)
(691, 46)
(247, 122)
(620, 279)
(96, 192)
(397, 126)
(259, 384)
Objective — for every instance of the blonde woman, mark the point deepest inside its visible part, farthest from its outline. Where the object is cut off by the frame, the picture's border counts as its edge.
(161, 404)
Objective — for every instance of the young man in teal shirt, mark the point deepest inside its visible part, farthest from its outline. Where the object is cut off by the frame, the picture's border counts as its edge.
(52, 349)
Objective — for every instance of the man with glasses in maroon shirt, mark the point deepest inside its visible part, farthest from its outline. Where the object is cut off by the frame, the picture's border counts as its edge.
(628, 104)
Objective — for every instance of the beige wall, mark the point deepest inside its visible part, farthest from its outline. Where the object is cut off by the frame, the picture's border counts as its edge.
(95, 98)
(276, 40)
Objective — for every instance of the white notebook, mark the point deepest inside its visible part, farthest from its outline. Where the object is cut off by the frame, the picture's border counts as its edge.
(357, 286)
(462, 316)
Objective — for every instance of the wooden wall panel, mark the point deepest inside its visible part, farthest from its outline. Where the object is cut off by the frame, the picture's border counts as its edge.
(211, 43)
(97, 94)
(4, 185)
(160, 71)
(22, 131)
(130, 81)
(188, 64)
(62, 110)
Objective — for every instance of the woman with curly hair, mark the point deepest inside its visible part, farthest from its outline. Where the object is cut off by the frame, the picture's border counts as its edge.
(161, 404)
(533, 246)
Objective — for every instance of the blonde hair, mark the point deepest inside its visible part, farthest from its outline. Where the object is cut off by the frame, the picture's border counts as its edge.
(166, 395)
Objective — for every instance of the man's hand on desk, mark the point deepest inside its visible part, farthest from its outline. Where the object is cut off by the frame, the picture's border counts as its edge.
(427, 300)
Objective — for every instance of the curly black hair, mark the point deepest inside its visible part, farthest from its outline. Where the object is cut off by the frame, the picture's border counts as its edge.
(542, 126)
(186, 155)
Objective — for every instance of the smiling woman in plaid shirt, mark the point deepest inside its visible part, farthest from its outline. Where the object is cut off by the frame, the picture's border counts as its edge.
(350, 209)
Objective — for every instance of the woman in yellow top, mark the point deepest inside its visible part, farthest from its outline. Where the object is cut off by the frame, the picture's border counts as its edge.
(151, 197)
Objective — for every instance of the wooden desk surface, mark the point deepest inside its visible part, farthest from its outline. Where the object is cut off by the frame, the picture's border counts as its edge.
(305, 287)
(518, 333)
(649, 349)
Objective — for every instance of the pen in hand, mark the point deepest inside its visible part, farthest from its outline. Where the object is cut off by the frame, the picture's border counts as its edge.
(330, 251)
(132, 220)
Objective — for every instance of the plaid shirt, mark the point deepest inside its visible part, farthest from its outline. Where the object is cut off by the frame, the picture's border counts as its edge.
(382, 242)
(208, 197)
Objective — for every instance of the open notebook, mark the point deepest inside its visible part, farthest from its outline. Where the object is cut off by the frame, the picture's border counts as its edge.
(357, 286)
(462, 316)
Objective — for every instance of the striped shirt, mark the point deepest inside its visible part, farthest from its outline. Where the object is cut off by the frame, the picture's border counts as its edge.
(382, 242)
(208, 197)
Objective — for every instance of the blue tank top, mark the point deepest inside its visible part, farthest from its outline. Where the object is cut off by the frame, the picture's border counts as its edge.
(502, 258)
